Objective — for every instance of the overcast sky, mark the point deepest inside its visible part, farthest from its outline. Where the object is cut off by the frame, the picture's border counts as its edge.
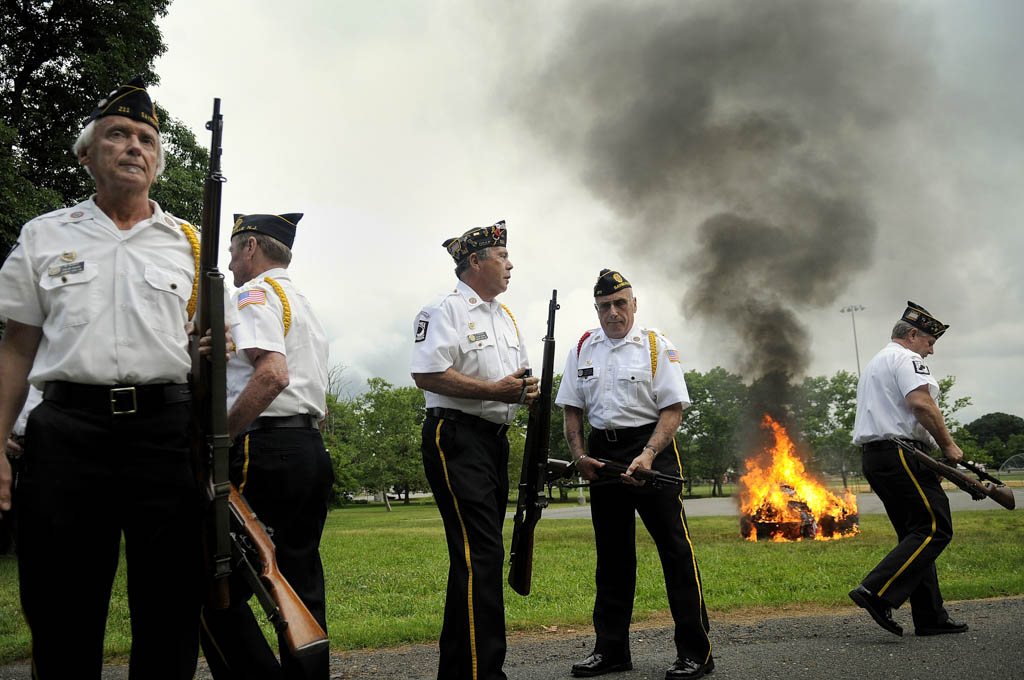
(730, 158)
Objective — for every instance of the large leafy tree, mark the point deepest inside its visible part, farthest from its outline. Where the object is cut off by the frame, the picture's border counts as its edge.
(825, 411)
(57, 58)
(709, 429)
(383, 438)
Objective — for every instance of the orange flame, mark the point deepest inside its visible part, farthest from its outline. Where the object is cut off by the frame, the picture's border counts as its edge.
(783, 503)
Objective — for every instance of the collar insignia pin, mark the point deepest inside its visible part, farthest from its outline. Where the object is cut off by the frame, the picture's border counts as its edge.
(68, 255)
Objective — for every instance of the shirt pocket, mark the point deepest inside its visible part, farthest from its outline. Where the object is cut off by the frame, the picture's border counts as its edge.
(165, 298)
(588, 382)
(633, 384)
(481, 354)
(72, 296)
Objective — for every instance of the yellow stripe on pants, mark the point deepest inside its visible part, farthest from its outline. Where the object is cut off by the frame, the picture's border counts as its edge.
(928, 540)
(465, 542)
(693, 555)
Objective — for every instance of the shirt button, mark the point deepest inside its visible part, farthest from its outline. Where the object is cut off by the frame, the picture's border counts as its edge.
(124, 306)
(123, 274)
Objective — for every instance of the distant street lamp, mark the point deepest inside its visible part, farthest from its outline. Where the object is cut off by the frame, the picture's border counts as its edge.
(853, 309)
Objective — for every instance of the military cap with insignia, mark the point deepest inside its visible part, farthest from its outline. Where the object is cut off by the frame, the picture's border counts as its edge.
(919, 317)
(131, 101)
(476, 239)
(278, 227)
(610, 281)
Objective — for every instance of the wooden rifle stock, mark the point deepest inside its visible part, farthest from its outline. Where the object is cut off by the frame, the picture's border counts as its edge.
(532, 501)
(977, 489)
(256, 552)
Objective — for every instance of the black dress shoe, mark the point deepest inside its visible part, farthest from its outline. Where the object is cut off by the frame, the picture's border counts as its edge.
(947, 626)
(683, 667)
(599, 664)
(877, 607)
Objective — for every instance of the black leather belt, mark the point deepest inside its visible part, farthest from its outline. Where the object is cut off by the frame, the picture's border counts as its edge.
(613, 435)
(118, 400)
(303, 421)
(889, 445)
(482, 424)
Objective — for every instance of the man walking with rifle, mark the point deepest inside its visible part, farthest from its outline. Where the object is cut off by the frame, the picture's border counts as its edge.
(630, 382)
(896, 398)
(277, 389)
(96, 299)
(470, 360)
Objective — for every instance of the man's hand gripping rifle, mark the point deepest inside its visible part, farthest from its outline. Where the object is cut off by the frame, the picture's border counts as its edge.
(993, 488)
(611, 471)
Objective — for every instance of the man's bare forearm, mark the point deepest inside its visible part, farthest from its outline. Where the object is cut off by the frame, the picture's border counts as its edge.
(572, 427)
(451, 383)
(665, 429)
(927, 413)
(269, 378)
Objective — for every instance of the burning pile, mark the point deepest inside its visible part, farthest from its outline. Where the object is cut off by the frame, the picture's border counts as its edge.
(781, 502)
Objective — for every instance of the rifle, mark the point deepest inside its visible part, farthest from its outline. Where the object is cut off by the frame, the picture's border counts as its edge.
(532, 500)
(978, 490)
(234, 536)
(210, 440)
(611, 472)
(254, 555)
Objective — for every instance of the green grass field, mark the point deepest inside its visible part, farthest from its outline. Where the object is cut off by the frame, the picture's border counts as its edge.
(386, 574)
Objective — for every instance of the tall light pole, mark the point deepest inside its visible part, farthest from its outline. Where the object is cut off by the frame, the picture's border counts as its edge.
(853, 309)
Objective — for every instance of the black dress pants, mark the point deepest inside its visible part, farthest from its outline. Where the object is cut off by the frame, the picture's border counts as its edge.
(613, 509)
(286, 477)
(467, 468)
(919, 511)
(88, 477)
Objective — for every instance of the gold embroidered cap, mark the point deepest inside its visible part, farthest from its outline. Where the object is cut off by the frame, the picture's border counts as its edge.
(610, 281)
(131, 101)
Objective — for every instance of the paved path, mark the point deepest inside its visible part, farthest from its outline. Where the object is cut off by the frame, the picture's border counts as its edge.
(867, 504)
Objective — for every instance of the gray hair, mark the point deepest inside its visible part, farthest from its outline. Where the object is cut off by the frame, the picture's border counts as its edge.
(902, 329)
(462, 265)
(273, 250)
(85, 140)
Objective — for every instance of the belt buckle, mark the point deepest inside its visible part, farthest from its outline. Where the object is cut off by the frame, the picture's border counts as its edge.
(610, 435)
(115, 393)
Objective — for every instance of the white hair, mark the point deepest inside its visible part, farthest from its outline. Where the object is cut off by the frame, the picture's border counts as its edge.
(89, 131)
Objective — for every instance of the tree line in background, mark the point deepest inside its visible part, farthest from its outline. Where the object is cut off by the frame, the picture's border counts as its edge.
(374, 437)
(57, 59)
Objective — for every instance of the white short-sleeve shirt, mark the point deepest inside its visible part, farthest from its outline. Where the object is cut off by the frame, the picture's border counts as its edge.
(613, 380)
(111, 303)
(477, 338)
(882, 409)
(261, 313)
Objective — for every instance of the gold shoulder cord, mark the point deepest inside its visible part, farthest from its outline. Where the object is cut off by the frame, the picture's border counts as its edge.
(654, 352)
(513, 321)
(286, 314)
(193, 241)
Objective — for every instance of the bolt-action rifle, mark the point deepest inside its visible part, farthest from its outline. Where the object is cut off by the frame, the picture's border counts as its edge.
(611, 472)
(532, 500)
(993, 488)
(234, 536)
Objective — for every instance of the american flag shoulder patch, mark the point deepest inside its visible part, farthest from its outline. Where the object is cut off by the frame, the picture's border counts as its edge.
(252, 297)
(672, 355)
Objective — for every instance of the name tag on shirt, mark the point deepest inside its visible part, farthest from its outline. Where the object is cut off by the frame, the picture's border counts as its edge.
(65, 269)
(585, 372)
(476, 337)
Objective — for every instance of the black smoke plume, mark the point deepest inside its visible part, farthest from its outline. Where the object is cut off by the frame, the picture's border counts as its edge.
(740, 139)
